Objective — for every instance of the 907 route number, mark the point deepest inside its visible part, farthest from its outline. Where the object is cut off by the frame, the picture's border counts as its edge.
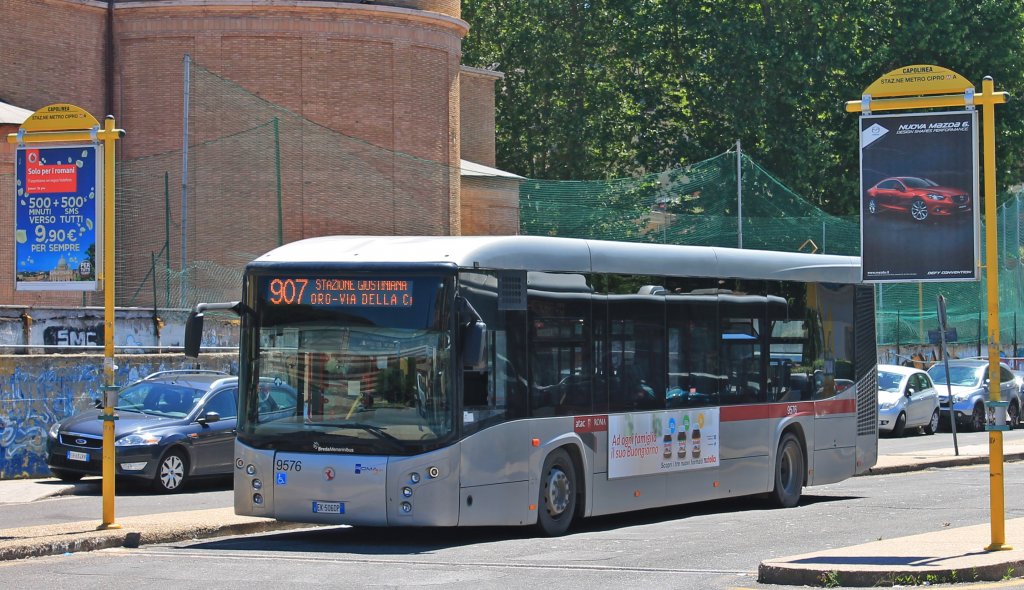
(287, 465)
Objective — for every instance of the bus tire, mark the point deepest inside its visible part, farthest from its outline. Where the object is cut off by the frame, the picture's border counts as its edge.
(789, 472)
(556, 505)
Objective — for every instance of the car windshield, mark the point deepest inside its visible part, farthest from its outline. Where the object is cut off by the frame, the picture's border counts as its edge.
(889, 381)
(959, 375)
(158, 398)
(915, 182)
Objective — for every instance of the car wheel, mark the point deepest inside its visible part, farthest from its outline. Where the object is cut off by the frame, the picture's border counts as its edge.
(68, 476)
(919, 210)
(933, 425)
(557, 502)
(789, 472)
(872, 206)
(171, 472)
(900, 425)
(978, 417)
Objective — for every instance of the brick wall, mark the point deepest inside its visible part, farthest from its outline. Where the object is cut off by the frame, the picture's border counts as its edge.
(490, 206)
(52, 51)
(367, 98)
(477, 87)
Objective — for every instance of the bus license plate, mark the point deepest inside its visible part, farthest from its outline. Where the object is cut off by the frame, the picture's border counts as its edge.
(77, 456)
(329, 507)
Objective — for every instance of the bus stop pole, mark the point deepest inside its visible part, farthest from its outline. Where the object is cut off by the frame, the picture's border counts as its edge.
(109, 389)
(995, 437)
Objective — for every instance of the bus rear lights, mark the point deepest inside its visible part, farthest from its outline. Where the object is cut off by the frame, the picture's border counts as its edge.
(407, 492)
(414, 477)
(433, 472)
(250, 469)
(257, 484)
(406, 507)
(257, 499)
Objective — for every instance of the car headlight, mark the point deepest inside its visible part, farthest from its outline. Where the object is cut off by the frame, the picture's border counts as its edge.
(137, 440)
(936, 197)
(54, 430)
(886, 405)
(959, 397)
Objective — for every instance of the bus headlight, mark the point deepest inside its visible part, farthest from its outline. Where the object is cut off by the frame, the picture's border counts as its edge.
(406, 507)
(407, 492)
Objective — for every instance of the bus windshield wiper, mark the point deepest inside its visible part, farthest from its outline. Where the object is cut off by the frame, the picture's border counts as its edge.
(374, 430)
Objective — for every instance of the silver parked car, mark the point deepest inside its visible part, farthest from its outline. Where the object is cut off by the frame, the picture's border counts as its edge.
(906, 399)
(968, 380)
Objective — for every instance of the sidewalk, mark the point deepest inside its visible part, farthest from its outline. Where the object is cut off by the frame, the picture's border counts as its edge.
(942, 556)
(946, 556)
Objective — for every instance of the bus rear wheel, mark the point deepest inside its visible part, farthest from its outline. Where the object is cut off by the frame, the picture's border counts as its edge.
(556, 505)
(789, 472)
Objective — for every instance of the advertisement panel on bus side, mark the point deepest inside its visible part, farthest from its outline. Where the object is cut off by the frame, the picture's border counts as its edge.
(662, 442)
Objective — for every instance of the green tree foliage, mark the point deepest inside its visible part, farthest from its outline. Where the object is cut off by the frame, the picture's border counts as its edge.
(611, 88)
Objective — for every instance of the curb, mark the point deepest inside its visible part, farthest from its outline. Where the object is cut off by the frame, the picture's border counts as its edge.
(943, 462)
(875, 575)
(131, 537)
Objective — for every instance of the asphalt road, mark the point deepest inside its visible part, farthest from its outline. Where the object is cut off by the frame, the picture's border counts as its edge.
(716, 545)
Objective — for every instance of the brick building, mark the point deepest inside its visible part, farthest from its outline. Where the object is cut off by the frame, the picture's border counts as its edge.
(305, 117)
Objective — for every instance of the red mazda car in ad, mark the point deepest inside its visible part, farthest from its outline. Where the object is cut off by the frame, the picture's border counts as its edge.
(920, 197)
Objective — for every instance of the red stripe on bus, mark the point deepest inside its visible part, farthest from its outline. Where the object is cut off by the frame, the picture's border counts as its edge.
(765, 411)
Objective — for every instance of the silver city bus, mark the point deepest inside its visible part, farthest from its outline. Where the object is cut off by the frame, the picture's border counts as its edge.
(465, 381)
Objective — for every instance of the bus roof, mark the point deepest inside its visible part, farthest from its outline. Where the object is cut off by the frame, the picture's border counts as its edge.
(539, 253)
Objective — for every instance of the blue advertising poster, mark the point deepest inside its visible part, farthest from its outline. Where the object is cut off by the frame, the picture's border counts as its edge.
(59, 199)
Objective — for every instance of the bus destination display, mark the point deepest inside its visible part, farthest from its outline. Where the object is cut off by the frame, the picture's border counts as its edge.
(338, 292)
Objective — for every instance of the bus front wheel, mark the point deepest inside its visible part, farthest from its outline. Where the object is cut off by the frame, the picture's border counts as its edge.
(557, 502)
(789, 472)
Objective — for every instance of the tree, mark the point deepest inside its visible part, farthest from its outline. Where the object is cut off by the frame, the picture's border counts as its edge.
(612, 88)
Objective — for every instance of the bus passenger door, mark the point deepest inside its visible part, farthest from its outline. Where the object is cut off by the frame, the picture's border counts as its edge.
(835, 392)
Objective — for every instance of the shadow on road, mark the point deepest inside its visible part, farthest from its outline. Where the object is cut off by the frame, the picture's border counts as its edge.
(414, 541)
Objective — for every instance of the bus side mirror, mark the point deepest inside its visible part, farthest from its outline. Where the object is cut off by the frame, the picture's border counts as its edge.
(193, 334)
(474, 338)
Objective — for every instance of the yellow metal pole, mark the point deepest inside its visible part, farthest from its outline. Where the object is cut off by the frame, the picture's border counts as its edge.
(920, 316)
(108, 325)
(926, 102)
(995, 437)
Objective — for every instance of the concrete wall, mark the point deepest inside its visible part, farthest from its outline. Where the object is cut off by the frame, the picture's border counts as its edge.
(38, 391)
(43, 330)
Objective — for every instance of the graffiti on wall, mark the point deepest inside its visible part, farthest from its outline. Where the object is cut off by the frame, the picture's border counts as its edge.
(36, 392)
(66, 336)
(30, 402)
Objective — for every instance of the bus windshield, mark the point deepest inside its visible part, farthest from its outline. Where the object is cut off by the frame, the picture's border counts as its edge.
(350, 364)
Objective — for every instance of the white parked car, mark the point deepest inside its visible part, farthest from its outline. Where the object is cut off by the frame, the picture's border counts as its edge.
(906, 399)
